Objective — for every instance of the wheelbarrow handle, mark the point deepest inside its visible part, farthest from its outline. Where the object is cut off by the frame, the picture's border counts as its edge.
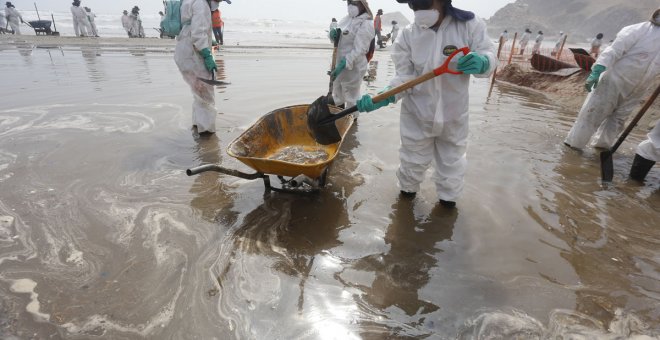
(444, 68)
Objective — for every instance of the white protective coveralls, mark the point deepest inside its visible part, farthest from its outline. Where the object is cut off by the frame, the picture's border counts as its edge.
(196, 35)
(524, 40)
(650, 148)
(80, 21)
(135, 25)
(537, 44)
(90, 17)
(395, 32)
(126, 23)
(633, 64)
(356, 36)
(14, 18)
(434, 114)
(3, 22)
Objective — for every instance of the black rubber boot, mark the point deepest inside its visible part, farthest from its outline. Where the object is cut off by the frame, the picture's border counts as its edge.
(448, 204)
(408, 194)
(640, 168)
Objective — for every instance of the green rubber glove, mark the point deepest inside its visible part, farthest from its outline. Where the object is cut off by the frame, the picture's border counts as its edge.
(473, 63)
(338, 69)
(366, 104)
(594, 77)
(209, 61)
(334, 34)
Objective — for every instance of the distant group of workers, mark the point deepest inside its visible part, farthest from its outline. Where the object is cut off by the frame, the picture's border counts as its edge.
(132, 23)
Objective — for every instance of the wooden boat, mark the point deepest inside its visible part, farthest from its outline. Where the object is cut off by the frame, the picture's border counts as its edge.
(583, 58)
(548, 64)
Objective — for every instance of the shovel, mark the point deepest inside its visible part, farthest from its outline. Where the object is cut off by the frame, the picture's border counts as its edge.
(212, 81)
(606, 162)
(331, 100)
(321, 122)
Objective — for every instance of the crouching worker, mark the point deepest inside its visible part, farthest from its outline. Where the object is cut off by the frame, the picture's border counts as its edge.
(648, 153)
(434, 114)
(194, 58)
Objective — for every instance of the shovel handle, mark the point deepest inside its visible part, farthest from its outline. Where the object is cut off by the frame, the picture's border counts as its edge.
(444, 68)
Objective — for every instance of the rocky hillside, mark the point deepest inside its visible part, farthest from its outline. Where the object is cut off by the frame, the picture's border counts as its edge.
(581, 19)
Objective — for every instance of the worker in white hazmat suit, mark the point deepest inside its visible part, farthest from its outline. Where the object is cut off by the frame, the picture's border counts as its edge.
(92, 25)
(194, 58)
(524, 40)
(648, 153)
(126, 23)
(3, 22)
(395, 31)
(13, 17)
(628, 67)
(357, 35)
(537, 43)
(80, 21)
(434, 114)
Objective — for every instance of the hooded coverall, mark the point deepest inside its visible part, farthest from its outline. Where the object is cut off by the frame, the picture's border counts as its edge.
(632, 65)
(80, 21)
(195, 36)
(434, 114)
(14, 18)
(356, 36)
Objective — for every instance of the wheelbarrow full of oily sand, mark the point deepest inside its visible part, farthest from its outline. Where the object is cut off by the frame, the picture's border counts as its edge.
(281, 144)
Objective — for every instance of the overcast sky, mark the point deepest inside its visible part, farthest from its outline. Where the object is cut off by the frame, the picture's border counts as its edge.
(312, 10)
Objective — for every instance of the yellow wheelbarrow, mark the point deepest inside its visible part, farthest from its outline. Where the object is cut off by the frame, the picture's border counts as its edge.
(281, 144)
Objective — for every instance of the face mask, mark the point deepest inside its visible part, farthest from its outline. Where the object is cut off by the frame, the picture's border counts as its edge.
(214, 5)
(353, 11)
(426, 18)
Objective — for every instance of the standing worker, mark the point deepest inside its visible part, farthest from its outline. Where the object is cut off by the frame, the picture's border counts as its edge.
(3, 23)
(378, 27)
(137, 31)
(504, 37)
(524, 40)
(596, 43)
(537, 43)
(434, 114)
(357, 37)
(92, 25)
(14, 18)
(558, 44)
(194, 58)
(80, 20)
(216, 19)
(395, 31)
(126, 23)
(648, 153)
(629, 67)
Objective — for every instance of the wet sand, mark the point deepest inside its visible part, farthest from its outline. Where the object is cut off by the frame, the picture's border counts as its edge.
(103, 235)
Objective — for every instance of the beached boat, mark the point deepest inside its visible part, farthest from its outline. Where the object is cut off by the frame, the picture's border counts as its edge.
(583, 58)
(548, 64)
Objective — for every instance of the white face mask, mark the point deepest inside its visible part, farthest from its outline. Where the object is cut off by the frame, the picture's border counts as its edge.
(426, 18)
(656, 20)
(214, 5)
(353, 11)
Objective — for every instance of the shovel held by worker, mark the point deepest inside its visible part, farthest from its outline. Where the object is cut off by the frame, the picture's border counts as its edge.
(606, 161)
(321, 122)
(212, 81)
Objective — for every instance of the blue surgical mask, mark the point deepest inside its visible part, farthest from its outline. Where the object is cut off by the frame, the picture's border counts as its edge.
(426, 18)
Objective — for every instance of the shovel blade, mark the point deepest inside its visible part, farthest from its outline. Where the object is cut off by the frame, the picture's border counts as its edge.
(323, 133)
(606, 166)
(213, 82)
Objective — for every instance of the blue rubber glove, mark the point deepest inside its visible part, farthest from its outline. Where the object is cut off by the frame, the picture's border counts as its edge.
(334, 34)
(594, 77)
(366, 104)
(473, 63)
(338, 69)
(209, 61)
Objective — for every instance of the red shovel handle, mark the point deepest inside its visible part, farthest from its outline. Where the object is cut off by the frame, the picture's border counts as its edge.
(444, 68)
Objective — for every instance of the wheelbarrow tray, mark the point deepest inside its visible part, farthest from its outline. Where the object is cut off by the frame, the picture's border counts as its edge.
(280, 129)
